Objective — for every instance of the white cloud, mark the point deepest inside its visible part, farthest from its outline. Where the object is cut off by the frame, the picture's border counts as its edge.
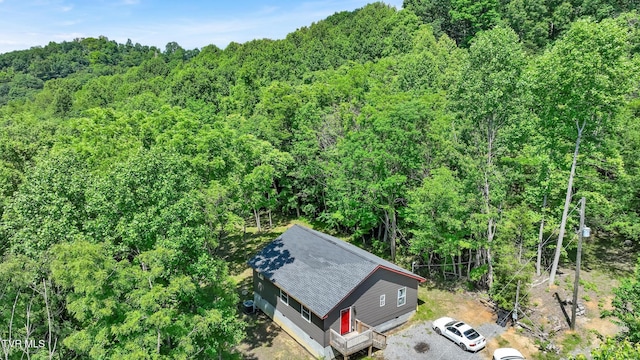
(190, 30)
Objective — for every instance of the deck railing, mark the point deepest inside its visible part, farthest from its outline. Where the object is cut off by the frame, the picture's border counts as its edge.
(364, 337)
(348, 346)
(379, 340)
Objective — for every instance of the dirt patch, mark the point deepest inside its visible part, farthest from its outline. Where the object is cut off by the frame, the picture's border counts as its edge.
(603, 326)
(513, 338)
(549, 311)
(476, 313)
(267, 341)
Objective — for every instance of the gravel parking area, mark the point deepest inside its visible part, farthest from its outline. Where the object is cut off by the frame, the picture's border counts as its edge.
(421, 342)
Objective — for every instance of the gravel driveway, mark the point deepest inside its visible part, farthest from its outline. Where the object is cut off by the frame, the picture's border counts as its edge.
(409, 344)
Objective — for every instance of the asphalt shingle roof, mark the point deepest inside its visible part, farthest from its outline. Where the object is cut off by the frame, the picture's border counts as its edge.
(317, 269)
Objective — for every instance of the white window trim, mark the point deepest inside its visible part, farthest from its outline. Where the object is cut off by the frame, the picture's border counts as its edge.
(383, 300)
(302, 313)
(402, 298)
(284, 297)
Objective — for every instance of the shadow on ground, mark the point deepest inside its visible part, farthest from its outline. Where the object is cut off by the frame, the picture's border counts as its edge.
(607, 254)
(261, 331)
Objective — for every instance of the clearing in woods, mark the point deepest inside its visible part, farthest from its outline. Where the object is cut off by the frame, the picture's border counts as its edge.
(544, 315)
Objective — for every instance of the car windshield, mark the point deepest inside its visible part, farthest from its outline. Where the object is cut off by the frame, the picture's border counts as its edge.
(471, 334)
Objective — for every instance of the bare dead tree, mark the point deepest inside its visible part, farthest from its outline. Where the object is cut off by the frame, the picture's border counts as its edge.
(51, 348)
(6, 343)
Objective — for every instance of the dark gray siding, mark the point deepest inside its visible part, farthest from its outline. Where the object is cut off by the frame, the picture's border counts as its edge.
(366, 299)
(265, 288)
(271, 293)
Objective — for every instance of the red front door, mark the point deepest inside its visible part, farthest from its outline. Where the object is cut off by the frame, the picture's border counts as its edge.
(345, 321)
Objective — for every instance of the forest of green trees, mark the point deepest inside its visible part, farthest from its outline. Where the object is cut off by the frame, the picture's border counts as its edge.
(443, 133)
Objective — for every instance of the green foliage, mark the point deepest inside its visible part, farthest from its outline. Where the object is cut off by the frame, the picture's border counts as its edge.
(616, 350)
(434, 131)
(469, 17)
(583, 78)
(49, 207)
(34, 307)
(571, 341)
(436, 211)
(143, 307)
(626, 304)
(24, 72)
(538, 22)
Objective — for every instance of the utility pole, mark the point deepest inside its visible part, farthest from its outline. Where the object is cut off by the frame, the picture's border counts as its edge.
(582, 232)
(515, 308)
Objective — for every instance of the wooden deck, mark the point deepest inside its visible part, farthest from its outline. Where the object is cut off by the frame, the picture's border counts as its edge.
(364, 337)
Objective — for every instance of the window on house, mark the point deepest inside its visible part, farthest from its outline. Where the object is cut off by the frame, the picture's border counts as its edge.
(382, 300)
(402, 296)
(284, 297)
(304, 312)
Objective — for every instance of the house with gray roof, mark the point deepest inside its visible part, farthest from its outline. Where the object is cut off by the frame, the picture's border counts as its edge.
(329, 295)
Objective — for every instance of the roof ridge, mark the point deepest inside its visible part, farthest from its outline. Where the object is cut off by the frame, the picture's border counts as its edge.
(346, 248)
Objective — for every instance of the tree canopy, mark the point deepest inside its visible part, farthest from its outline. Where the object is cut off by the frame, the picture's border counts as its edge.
(431, 135)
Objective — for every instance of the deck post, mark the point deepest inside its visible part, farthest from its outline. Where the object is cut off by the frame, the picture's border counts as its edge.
(370, 348)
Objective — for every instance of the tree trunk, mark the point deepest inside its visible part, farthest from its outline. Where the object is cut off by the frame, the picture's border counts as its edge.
(256, 214)
(392, 243)
(469, 265)
(51, 348)
(520, 244)
(269, 207)
(540, 234)
(490, 235)
(567, 202)
(386, 227)
(455, 268)
(491, 223)
(444, 267)
(221, 233)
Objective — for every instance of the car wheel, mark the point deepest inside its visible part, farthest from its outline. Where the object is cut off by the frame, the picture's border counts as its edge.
(464, 348)
(438, 331)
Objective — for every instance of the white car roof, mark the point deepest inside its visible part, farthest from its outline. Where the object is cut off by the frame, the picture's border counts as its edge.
(442, 321)
(507, 353)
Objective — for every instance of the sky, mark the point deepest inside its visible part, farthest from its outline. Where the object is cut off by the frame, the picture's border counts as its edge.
(190, 23)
